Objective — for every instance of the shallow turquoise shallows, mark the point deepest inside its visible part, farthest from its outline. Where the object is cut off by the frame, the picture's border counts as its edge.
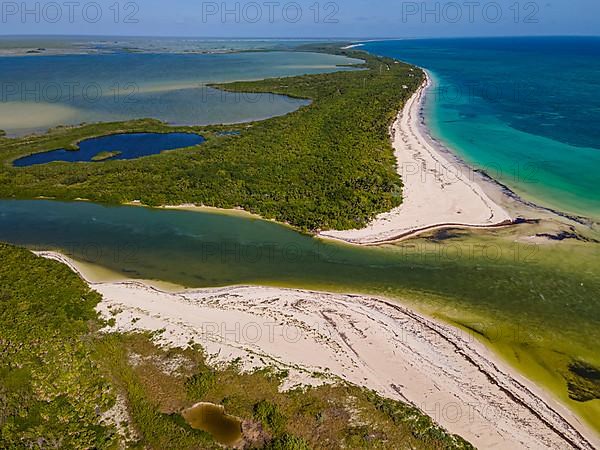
(526, 110)
(121, 146)
(40, 92)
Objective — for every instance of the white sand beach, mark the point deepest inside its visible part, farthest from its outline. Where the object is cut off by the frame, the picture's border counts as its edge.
(363, 340)
(438, 192)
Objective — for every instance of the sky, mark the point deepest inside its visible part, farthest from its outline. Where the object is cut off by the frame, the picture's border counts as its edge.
(301, 19)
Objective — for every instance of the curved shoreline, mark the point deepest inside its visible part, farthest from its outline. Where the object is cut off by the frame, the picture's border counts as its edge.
(321, 337)
(398, 230)
(494, 186)
(491, 191)
(437, 193)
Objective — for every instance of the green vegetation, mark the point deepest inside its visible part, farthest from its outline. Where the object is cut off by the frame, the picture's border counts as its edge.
(199, 384)
(153, 425)
(328, 165)
(162, 383)
(269, 415)
(58, 375)
(287, 442)
(103, 156)
(50, 388)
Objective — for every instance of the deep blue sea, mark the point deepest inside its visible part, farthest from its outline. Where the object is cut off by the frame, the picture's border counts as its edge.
(527, 110)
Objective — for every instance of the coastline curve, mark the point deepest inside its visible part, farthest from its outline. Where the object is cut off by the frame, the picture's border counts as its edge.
(437, 192)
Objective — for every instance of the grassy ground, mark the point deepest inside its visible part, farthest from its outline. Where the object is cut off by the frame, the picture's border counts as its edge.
(50, 388)
(328, 165)
(330, 416)
(102, 156)
(59, 375)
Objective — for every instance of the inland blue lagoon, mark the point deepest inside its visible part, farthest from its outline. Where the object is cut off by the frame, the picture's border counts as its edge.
(127, 146)
(523, 109)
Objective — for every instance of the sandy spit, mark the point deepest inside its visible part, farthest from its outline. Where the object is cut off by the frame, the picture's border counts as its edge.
(438, 192)
(368, 341)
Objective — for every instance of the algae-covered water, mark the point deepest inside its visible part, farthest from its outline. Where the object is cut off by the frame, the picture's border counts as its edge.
(226, 429)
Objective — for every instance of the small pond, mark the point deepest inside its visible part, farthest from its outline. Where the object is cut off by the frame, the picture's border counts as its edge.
(115, 146)
(225, 429)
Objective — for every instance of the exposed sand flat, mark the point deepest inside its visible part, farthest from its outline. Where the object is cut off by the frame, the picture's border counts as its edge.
(437, 192)
(367, 341)
(36, 115)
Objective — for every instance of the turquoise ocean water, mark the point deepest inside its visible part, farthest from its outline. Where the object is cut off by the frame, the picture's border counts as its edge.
(526, 110)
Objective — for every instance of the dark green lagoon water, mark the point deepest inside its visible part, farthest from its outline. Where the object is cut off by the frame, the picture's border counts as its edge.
(197, 249)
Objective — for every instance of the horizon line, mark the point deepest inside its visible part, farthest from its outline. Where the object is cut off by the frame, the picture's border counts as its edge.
(299, 38)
